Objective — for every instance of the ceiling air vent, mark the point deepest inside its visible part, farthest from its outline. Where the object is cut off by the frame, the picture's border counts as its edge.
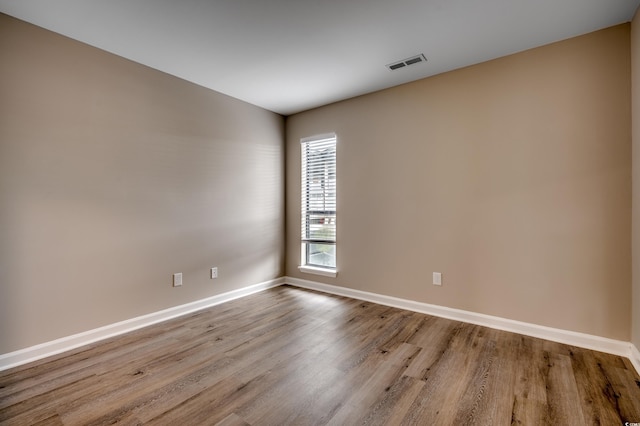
(406, 62)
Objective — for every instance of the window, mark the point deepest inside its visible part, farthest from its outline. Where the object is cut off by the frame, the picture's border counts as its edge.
(319, 204)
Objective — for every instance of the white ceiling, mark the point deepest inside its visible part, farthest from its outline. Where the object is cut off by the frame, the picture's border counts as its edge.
(292, 55)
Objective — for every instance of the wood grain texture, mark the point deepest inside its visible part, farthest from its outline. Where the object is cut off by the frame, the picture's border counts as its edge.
(292, 356)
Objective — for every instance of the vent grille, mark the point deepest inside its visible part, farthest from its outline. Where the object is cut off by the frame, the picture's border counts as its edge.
(406, 62)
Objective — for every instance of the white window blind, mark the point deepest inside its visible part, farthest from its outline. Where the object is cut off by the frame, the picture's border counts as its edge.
(319, 201)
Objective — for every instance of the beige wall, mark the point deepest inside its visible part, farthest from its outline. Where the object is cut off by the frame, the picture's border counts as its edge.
(113, 176)
(635, 120)
(512, 178)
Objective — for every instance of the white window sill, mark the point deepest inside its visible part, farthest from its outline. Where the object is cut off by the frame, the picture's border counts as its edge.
(318, 271)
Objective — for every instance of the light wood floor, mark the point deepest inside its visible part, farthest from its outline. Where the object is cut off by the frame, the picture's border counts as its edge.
(290, 356)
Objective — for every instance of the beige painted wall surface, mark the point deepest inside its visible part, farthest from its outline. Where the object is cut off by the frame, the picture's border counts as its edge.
(113, 176)
(635, 120)
(511, 177)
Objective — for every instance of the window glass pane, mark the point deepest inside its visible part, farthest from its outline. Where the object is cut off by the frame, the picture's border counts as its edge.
(321, 255)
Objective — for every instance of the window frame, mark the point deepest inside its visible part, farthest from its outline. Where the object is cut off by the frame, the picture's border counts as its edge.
(325, 188)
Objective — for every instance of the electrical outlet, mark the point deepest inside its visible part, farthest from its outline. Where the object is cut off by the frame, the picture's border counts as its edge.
(437, 278)
(177, 279)
(214, 273)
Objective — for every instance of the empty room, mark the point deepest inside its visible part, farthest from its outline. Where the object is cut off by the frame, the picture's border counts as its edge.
(320, 212)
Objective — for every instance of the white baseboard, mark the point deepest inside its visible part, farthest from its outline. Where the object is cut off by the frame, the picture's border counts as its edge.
(602, 344)
(54, 347)
(635, 358)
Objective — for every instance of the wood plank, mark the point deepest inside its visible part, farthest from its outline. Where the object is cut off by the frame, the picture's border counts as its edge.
(488, 396)
(392, 408)
(625, 387)
(563, 399)
(599, 403)
(381, 381)
(232, 420)
(439, 400)
(530, 391)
